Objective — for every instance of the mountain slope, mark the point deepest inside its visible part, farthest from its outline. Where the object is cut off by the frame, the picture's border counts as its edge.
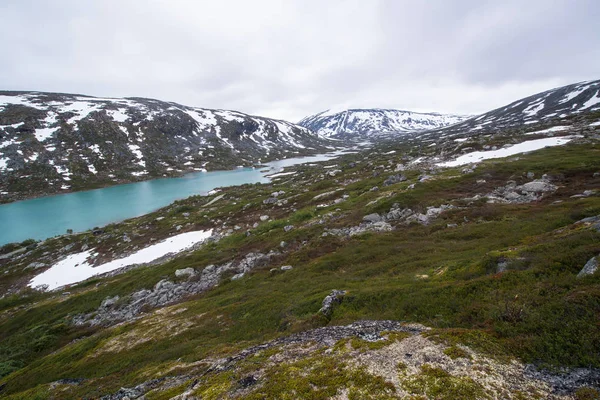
(553, 104)
(53, 142)
(356, 123)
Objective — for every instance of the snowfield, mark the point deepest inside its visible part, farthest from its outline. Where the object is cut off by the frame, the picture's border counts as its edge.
(76, 268)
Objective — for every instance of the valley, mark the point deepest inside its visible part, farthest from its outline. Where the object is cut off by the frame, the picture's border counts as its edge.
(455, 262)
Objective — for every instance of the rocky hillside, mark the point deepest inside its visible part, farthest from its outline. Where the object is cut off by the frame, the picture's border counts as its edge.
(52, 142)
(374, 122)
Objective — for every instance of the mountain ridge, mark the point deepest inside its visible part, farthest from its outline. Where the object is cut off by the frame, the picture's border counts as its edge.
(373, 122)
(56, 142)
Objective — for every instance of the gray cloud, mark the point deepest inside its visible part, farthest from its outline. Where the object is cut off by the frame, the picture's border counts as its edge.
(290, 59)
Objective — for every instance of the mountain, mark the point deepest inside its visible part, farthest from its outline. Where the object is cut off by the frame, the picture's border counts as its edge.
(360, 123)
(51, 142)
(555, 104)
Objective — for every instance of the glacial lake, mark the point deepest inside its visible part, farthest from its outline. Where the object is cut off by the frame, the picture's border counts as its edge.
(49, 216)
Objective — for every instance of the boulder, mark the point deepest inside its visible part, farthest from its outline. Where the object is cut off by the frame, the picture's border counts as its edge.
(286, 268)
(238, 276)
(109, 302)
(330, 301)
(372, 218)
(270, 200)
(537, 186)
(394, 179)
(589, 268)
(185, 272)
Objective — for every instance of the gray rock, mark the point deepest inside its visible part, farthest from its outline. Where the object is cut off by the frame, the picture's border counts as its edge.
(288, 228)
(270, 200)
(282, 244)
(330, 301)
(286, 268)
(36, 265)
(109, 302)
(501, 266)
(372, 218)
(537, 186)
(589, 268)
(530, 175)
(185, 272)
(264, 218)
(238, 276)
(424, 178)
(167, 292)
(391, 180)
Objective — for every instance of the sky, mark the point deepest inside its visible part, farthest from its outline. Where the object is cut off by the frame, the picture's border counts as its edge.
(289, 59)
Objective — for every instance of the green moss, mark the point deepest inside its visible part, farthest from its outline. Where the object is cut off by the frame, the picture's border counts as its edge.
(587, 393)
(438, 384)
(455, 352)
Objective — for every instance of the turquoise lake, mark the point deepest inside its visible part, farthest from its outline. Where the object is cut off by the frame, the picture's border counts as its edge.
(45, 217)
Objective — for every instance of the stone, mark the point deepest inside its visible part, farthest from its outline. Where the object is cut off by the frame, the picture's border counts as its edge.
(185, 272)
(372, 218)
(286, 268)
(288, 228)
(126, 238)
(264, 218)
(391, 180)
(530, 175)
(109, 302)
(282, 244)
(237, 276)
(36, 265)
(589, 268)
(374, 189)
(178, 227)
(330, 301)
(537, 186)
(424, 178)
(270, 200)
(186, 214)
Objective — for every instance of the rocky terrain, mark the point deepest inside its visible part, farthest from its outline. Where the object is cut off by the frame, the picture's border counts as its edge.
(55, 143)
(375, 123)
(395, 272)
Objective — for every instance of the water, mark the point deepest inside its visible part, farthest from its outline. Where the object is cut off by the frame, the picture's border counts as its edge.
(45, 217)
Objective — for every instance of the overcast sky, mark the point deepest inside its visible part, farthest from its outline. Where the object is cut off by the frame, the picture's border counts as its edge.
(289, 59)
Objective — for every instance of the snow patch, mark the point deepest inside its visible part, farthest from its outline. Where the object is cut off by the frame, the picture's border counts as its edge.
(549, 130)
(529, 145)
(76, 268)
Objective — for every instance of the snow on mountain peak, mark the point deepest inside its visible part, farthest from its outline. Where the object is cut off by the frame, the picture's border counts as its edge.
(374, 121)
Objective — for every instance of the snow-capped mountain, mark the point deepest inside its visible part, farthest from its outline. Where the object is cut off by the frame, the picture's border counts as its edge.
(357, 123)
(554, 104)
(53, 142)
